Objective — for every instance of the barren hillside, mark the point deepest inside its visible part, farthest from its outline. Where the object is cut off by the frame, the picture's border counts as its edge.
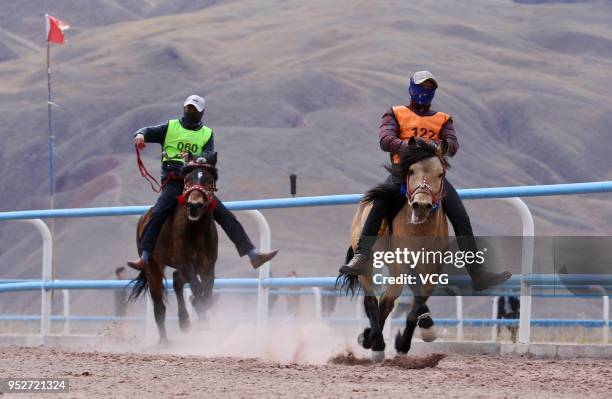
(297, 87)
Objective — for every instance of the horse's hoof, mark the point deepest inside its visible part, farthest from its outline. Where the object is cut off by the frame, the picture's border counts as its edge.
(163, 342)
(360, 339)
(429, 334)
(402, 354)
(378, 356)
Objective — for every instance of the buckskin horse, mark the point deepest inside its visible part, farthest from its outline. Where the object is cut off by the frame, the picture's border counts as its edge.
(188, 242)
(420, 225)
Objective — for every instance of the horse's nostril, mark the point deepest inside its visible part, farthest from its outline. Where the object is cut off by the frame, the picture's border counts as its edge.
(415, 205)
(429, 206)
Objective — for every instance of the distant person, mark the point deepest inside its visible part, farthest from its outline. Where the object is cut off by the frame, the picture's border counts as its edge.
(187, 134)
(398, 125)
(121, 296)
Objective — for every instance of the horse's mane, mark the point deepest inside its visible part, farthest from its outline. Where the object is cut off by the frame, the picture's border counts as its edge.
(389, 193)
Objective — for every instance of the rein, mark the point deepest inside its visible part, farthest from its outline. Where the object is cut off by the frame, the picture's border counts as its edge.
(155, 186)
(208, 192)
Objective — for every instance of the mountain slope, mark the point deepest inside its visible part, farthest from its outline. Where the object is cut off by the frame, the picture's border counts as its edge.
(298, 87)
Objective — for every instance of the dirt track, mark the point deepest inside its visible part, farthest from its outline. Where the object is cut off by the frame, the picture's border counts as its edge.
(103, 375)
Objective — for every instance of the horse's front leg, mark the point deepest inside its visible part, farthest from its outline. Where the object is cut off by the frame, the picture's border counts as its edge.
(386, 304)
(195, 284)
(205, 300)
(156, 289)
(178, 283)
(387, 301)
(418, 315)
(372, 337)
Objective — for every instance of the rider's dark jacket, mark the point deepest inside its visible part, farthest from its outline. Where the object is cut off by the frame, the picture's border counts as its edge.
(157, 134)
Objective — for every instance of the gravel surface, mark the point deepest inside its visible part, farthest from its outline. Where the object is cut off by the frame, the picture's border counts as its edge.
(95, 374)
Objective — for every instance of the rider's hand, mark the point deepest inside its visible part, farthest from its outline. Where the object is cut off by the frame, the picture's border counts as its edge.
(139, 141)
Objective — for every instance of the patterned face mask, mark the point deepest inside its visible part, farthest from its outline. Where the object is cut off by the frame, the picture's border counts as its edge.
(419, 94)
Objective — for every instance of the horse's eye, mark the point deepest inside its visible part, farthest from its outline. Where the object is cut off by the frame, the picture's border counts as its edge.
(441, 175)
(410, 172)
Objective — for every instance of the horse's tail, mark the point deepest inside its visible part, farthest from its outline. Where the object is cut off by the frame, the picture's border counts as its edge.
(139, 285)
(345, 282)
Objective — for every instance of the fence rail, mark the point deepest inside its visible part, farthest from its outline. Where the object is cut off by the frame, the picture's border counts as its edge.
(264, 283)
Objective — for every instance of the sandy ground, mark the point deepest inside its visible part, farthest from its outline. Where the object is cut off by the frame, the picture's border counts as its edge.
(106, 374)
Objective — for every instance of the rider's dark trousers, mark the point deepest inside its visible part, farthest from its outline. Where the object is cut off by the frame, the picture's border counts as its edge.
(166, 202)
(453, 206)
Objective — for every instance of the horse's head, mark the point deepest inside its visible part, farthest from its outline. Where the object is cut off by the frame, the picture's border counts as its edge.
(422, 168)
(200, 177)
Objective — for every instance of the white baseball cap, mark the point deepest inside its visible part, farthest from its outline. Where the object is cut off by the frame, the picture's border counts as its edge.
(421, 76)
(196, 101)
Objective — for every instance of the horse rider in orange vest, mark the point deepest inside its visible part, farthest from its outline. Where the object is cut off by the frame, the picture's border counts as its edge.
(399, 124)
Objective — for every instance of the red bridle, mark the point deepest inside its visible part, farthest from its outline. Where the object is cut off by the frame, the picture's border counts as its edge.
(436, 198)
(207, 192)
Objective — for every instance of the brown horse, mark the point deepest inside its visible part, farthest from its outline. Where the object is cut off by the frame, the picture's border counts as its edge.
(187, 242)
(420, 225)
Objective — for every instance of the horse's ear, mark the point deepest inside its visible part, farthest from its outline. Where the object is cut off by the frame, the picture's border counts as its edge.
(412, 142)
(212, 159)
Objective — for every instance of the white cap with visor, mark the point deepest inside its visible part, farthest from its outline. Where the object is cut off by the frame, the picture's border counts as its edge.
(198, 102)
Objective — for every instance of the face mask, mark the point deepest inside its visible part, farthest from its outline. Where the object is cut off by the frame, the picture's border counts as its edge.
(419, 94)
(192, 118)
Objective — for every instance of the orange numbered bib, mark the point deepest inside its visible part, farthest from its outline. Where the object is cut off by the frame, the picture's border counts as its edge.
(413, 125)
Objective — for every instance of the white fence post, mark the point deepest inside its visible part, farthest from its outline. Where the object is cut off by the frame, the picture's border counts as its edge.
(606, 319)
(494, 315)
(318, 303)
(265, 244)
(526, 267)
(459, 306)
(45, 295)
(66, 308)
(149, 318)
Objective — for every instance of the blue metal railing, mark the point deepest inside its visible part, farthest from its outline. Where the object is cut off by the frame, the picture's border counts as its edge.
(541, 281)
(588, 323)
(345, 199)
(538, 281)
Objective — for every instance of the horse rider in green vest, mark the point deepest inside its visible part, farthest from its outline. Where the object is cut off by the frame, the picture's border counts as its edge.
(187, 134)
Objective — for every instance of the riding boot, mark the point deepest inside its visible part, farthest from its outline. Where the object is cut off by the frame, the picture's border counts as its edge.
(239, 237)
(139, 264)
(258, 258)
(458, 216)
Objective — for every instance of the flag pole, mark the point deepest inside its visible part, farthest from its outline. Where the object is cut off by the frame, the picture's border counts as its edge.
(51, 159)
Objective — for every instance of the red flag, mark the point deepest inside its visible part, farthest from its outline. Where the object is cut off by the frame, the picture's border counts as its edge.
(55, 29)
